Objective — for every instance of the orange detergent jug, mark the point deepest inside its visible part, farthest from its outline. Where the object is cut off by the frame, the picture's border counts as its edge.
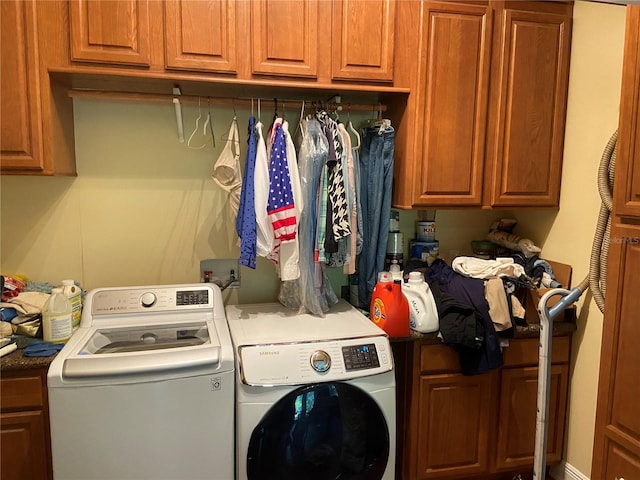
(389, 307)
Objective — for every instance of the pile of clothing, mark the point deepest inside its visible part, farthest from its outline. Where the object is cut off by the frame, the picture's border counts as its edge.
(477, 305)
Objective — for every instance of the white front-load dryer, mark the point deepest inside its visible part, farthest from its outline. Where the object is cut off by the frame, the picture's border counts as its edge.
(315, 397)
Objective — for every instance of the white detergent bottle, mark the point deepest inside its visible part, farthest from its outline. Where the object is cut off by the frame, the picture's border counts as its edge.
(423, 314)
(56, 318)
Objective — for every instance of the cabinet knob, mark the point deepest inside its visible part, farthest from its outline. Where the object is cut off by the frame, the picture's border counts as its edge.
(619, 478)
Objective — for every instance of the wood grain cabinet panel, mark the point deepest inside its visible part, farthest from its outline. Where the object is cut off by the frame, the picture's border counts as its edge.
(453, 425)
(24, 425)
(110, 31)
(490, 101)
(517, 416)
(627, 191)
(616, 448)
(455, 92)
(530, 97)
(475, 427)
(285, 37)
(362, 40)
(21, 127)
(200, 35)
(618, 411)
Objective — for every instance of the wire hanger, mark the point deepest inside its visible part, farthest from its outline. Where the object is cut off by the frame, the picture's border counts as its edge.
(196, 128)
(299, 127)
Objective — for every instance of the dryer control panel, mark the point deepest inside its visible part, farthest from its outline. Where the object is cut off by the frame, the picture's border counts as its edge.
(300, 363)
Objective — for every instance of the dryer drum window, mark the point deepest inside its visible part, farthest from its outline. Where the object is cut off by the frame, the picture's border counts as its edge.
(320, 432)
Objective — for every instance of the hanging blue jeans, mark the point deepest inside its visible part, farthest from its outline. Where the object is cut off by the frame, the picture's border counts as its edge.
(376, 178)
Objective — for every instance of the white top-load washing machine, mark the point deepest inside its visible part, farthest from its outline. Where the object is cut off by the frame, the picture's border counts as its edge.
(315, 396)
(144, 389)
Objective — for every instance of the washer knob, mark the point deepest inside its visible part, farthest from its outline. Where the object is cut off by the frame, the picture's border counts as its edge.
(147, 299)
(320, 361)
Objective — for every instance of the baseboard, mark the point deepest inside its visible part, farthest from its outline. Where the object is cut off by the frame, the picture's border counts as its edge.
(565, 471)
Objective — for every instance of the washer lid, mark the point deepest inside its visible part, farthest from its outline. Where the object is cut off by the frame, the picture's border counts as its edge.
(269, 323)
(141, 349)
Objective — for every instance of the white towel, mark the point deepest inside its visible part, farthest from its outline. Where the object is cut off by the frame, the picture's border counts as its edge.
(479, 268)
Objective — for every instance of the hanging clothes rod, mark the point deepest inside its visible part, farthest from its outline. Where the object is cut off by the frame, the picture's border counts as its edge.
(230, 101)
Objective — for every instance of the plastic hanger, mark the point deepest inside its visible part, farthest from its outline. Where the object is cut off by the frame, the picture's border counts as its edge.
(350, 127)
(176, 103)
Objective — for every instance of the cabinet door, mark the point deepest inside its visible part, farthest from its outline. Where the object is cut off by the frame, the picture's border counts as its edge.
(110, 31)
(627, 191)
(200, 35)
(23, 445)
(617, 434)
(285, 37)
(529, 92)
(362, 40)
(454, 92)
(453, 425)
(21, 128)
(517, 416)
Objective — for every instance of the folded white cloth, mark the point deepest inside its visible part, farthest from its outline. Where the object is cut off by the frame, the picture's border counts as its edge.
(479, 268)
(28, 302)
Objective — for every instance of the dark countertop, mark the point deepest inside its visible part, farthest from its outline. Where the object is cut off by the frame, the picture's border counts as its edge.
(530, 331)
(17, 361)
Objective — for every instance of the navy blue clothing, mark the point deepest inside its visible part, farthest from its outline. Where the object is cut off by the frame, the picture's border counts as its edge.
(469, 291)
(246, 219)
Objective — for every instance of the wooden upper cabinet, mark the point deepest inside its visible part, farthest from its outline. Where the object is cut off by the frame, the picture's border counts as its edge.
(454, 91)
(362, 40)
(21, 128)
(285, 37)
(627, 183)
(529, 94)
(200, 35)
(110, 31)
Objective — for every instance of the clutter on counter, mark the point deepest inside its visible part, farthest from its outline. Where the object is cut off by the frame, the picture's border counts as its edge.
(25, 329)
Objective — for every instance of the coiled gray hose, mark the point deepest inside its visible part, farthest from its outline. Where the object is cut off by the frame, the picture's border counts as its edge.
(597, 278)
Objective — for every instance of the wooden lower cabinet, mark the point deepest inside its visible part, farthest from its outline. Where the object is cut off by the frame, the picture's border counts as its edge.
(480, 426)
(24, 426)
(452, 428)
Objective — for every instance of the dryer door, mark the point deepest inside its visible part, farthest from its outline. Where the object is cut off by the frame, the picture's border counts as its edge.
(320, 432)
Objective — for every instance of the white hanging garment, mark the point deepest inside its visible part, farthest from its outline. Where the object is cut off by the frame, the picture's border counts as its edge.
(226, 171)
(264, 228)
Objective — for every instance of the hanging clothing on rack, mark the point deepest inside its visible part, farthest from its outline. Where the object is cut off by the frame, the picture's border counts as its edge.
(376, 174)
(281, 206)
(337, 189)
(312, 291)
(349, 266)
(226, 171)
(246, 220)
(264, 228)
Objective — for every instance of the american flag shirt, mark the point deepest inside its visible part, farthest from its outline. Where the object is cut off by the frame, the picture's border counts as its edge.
(281, 205)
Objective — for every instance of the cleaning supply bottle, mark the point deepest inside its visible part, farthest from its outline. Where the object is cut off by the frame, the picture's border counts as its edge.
(389, 308)
(422, 306)
(74, 294)
(56, 317)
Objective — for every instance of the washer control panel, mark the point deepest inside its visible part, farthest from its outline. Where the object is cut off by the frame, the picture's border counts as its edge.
(300, 363)
(151, 299)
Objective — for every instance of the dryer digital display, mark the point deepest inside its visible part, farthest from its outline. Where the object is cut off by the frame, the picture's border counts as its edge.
(359, 357)
(192, 297)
